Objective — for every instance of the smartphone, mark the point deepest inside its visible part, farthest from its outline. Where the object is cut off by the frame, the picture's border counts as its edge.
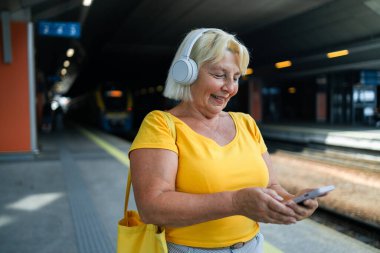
(314, 193)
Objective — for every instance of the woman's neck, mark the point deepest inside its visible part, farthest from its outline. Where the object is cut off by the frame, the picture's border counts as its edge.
(188, 110)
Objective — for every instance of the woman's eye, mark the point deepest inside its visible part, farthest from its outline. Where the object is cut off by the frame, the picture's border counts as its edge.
(219, 75)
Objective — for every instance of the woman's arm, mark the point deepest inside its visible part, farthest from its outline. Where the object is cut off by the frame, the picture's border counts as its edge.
(153, 176)
(273, 181)
(302, 211)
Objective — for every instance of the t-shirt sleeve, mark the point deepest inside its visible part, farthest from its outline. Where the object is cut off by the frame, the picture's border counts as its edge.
(256, 133)
(154, 132)
(260, 139)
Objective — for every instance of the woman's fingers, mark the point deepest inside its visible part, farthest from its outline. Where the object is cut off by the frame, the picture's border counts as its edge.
(273, 194)
(275, 211)
(264, 205)
(280, 213)
(303, 210)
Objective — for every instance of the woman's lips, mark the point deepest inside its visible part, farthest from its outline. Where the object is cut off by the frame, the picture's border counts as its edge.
(219, 99)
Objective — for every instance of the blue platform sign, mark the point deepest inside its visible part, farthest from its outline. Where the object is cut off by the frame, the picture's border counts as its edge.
(60, 29)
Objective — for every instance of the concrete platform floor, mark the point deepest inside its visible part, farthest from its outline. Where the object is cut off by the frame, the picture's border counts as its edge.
(69, 198)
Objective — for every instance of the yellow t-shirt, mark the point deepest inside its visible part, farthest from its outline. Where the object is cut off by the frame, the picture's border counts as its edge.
(206, 167)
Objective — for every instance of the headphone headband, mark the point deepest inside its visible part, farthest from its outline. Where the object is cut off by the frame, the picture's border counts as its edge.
(191, 41)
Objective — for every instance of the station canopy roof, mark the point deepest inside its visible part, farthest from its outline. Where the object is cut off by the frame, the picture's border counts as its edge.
(134, 41)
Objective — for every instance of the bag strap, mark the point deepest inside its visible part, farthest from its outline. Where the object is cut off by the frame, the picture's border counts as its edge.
(129, 183)
(170, 123)
(171, 126)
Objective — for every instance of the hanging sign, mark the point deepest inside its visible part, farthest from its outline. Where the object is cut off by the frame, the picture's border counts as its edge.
(60, 29)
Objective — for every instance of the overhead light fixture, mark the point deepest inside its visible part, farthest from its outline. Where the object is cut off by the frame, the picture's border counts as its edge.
(63, 71)
(292, 90)
(66, 63)
(70, 52)
(283, 64)
(337, 53)
(87, 2)
(249, 71)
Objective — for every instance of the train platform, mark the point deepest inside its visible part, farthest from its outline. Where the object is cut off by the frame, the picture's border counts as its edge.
(69, 197)
(361, 138)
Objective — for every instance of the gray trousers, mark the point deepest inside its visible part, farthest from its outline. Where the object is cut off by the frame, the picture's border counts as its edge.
(256, 245)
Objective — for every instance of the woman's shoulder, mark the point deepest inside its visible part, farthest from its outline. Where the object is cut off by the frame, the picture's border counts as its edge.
(241, 116)
(154, 115)
(244, 119)
(154, 119)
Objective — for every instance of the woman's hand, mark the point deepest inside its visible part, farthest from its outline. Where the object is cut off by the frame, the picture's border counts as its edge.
(264, 205)
(305, 209)
(281, 191)
(301, 211)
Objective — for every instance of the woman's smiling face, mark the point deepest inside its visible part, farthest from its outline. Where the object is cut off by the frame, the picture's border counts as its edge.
(216, 84)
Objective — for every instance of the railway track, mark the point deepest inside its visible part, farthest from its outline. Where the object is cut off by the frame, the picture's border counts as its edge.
(350, 158)
(343, 217)
(353, 228)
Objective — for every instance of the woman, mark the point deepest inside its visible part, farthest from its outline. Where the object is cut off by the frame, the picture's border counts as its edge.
(211, 184)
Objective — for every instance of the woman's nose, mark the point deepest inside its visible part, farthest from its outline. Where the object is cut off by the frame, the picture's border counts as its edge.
(229, 85)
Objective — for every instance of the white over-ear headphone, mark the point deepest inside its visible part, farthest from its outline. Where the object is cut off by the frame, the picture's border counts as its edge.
(185, 70)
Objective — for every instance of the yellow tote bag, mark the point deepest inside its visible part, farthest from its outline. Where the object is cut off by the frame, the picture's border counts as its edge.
(134, 236)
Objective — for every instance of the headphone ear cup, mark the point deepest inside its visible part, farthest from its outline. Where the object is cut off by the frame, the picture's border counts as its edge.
(184, 71)
(194, 72)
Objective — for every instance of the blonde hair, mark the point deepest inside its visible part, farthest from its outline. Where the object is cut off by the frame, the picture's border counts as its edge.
(211, 46)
